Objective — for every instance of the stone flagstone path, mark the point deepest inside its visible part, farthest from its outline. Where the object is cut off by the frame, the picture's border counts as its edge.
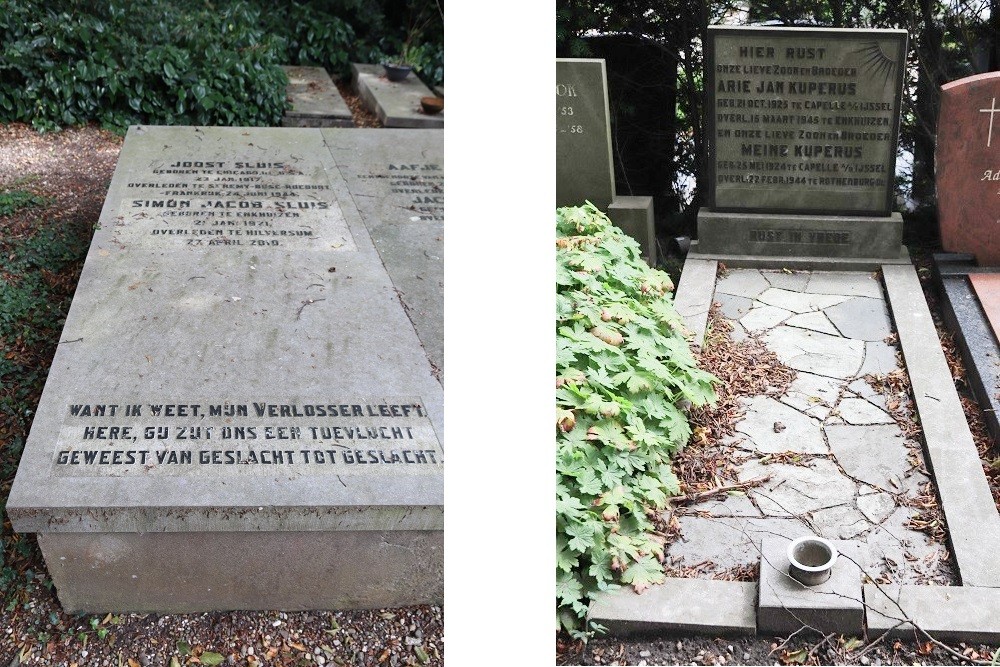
(839, 466)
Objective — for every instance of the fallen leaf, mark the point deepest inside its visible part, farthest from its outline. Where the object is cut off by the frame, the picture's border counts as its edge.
(210, 658)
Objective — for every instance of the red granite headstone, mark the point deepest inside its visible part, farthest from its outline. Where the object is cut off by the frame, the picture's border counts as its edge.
(967, 166)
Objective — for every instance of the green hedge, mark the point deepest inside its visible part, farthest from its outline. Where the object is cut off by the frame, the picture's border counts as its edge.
(184, 62)
(623, 372)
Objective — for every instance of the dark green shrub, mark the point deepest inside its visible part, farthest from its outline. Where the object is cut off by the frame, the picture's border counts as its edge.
(121, 63)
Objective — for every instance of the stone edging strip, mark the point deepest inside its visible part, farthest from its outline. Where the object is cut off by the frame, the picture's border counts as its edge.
(693, 297)
(681, 605)
(968, 506)
(960, 613)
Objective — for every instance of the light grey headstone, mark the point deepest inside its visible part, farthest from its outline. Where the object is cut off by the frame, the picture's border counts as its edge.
(584, 170)
(236, 360)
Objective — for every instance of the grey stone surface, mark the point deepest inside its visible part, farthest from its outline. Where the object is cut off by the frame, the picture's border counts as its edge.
(861, 318)
(905, 554)
(680, 605)
(966, 500)
(733, 307)
(790, 280)
(728, 542)
(306, 317)
(736, 504)
(862, 389)
(794, 490)
(584, 170)
(816, 321)
(747, 283)
(396, 179)
(734, 259)
(693, 297)
(396, 103)
(796, 432)
(816, 353)
(634, 216)
(873, 454)
(860, 411)
(880, 359)
(208, 571)
(950, 613)
(764, 317)
(876, 506)
(738, 333)
(786, 605)
(799, 241)
(315, 100)
(814, 395)
(799, 302)
(842, 522)
(844, 282)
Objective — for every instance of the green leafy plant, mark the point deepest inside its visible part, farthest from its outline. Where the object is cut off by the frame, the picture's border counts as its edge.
(624, 371)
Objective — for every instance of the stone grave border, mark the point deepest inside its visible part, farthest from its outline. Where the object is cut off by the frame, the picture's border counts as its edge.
(959, 613)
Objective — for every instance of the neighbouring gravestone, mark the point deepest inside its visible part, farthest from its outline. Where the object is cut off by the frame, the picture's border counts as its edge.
(801, 137)
(396, 178)
(396, 103)
(967, 167)
(584, 167)
(315, 100)
(239, 414)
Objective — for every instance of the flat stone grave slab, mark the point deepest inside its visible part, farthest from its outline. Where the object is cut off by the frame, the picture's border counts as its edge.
(239, 414)
(396, 103)
(315, 100)
(396, 179)
(968, 145)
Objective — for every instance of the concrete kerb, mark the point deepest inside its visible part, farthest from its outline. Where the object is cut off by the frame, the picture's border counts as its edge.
(961, 613)
(966, 500)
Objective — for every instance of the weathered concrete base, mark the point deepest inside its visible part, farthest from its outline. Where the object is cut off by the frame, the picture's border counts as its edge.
(950, 452)
(977, 344)
(952, 613)
(634, 216)
(206, 571)
(397, 104)
(798, 262)
(693, 297)
(805, 236)
(316, 102)
(680, 605)
(786, 605)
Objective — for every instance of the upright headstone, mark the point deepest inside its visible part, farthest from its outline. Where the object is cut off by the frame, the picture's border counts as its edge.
(239, 414)
(967, 167)
(584, 170)
(801, 136)
(584, 166)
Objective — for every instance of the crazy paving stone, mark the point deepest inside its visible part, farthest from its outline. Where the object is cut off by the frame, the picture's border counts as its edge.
(860, 411)
(733, 307)
(862, 389)
(843, 522)
(728, 542)
(814, 395)
(880, 359)
(764, 317)
(817, 353)
(742, 282)
(799, 302)
(813, 321)
(872, 454)
(874, 505)
(861, 318)
(795, 431)
(842, 282)
(795, 282)
(797, 489)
